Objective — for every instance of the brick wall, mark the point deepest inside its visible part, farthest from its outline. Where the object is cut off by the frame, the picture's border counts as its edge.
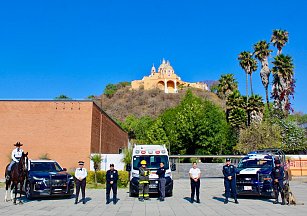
(67, 131)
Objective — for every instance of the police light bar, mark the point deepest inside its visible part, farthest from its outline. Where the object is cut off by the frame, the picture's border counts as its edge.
(143, 152)
(157, 152)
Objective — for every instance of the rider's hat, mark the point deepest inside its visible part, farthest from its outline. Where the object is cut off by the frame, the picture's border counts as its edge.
(81, 162)
(18, 144)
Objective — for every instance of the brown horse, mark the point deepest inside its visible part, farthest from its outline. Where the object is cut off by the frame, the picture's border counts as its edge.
(18, 175)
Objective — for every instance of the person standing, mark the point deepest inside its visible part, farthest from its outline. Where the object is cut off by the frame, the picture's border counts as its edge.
(229, 172)
(143, 182)
(80, 176)
(195, 182)
(162, 181)
(16, 155)
(111, 177)
(278, 185)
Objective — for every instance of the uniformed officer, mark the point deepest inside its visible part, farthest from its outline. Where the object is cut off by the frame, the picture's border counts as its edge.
(162, 181)
(229, 172)
(278, 186)
(80, 176)
(195, 182)
(16, 155)
(111, 177)
(143, 182)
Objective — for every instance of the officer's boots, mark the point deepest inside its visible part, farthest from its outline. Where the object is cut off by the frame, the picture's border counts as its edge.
(276, 198)
(76, 201)
(114, 199)
(108, 199)
(226, 201)
(236, 201)
(141, 199)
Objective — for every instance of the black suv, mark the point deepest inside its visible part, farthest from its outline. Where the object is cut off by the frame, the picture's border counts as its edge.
(48, 178)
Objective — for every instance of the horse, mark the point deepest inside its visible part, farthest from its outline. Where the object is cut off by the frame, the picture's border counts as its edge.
(18, 175)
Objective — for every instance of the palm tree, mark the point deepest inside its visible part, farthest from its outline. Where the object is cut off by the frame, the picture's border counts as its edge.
(283, 82)
(279, 39)
(96, 158)
(227, 84)
(262, 52)
(249, 65)
(255, 109)
(236, 110)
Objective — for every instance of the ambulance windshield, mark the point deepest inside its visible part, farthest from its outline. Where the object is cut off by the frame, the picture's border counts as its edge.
(153, 161)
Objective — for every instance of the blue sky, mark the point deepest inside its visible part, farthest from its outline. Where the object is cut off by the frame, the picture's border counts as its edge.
(54, 47)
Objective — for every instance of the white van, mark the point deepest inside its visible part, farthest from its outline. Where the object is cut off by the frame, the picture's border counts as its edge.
(153, 154)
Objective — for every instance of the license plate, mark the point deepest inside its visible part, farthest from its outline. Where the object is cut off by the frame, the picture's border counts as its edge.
(248, 188)
(153, 186)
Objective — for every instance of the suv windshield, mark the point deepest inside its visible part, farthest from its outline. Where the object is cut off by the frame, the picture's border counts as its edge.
(255, 163)
(153, 161)
(45, 167)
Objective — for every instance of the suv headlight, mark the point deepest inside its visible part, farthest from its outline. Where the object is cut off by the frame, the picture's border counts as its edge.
(38, 179)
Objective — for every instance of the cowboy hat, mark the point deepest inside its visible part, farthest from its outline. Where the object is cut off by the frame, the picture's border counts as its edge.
(18, 144)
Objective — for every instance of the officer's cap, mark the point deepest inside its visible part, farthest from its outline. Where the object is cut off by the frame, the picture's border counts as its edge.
(18, 144)
(111, 165)
(81, 163)
(228, 159)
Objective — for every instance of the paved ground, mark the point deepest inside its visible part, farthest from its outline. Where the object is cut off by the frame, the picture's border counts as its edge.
(211, 203)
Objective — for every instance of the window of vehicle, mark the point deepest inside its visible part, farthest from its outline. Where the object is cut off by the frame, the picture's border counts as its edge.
(255, 163)
(153, 161)
(45, 167)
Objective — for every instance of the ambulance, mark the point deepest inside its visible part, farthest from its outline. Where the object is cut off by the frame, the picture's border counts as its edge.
(153, 155)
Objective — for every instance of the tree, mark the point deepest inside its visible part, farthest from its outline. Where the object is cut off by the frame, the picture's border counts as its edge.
(110, 90)
(279, 39)
(197, 124)
(249, 65)
(96, 158)
(226, 85)
(236, 110)
(262, 53)
(91, 97)
(259, 136)
(255, 108)
(283, 83)
(62, 97)
(156, 134)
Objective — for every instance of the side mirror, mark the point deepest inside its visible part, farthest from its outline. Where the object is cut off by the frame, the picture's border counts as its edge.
(128, 167)
(64, 169)
(173, 167)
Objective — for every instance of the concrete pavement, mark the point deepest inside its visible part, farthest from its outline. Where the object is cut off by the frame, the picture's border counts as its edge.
(211, 203)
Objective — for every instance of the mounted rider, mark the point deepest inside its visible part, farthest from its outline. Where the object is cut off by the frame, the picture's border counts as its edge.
(16, 155)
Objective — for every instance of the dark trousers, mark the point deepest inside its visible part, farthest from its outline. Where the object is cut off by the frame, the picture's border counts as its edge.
(82, 185)
(114, 189)
(279, 188)
(195, 187)
(230, 185)
(162, 182)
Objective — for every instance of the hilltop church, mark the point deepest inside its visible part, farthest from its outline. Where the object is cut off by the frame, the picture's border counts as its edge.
(165, 79)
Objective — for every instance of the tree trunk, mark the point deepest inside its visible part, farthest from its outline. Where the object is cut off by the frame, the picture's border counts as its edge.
(247, 85)
(267, 97)
(251, 83)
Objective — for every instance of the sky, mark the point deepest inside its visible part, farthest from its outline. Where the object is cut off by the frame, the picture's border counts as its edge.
(76, 48)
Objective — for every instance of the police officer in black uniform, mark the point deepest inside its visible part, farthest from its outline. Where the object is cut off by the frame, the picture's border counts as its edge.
(162, 181)
(111, 177)
(229, 172)
(278, 185)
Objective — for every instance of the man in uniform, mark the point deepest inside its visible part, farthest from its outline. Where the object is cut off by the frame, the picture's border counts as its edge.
(80, 176)
(195, 182)
(143, 182)
(16, 155)
(229, 172)
(111, 177)
(278, 185)
(162, 181)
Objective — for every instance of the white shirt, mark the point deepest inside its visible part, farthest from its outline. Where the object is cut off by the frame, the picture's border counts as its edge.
(194, 172)
(16, 154)
(80, 173)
